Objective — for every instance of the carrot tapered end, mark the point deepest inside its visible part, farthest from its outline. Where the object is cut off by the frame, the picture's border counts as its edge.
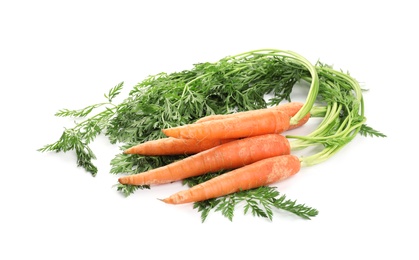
(166, 132)
(167, 201)
(123, 180)
(128, 151)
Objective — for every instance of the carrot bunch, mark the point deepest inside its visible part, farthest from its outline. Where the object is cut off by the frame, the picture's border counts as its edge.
(249, 144)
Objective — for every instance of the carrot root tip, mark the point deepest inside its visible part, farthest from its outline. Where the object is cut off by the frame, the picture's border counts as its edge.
(127, 151)
(122, 180)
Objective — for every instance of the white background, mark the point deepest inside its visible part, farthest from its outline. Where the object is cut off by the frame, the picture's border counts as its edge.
(56, 54)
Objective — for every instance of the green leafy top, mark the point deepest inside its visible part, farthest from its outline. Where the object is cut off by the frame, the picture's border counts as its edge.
(79, 137)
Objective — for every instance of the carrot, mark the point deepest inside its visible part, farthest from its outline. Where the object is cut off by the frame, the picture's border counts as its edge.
(260, 173)
(174, 146)
(290, 109)
(230, 155)
(266, 121)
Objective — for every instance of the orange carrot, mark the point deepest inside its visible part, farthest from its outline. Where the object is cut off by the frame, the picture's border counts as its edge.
(173, 146)
(266, 121)
(260, 173)
(290, 109)
(230, 155)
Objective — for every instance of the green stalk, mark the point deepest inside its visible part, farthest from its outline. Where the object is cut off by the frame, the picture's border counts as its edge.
(344, 95)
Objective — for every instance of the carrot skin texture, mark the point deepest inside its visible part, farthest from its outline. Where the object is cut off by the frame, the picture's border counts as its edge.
(267, 121)
(260, 173)
(174, 146)
(290, 109)
(230, 155)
